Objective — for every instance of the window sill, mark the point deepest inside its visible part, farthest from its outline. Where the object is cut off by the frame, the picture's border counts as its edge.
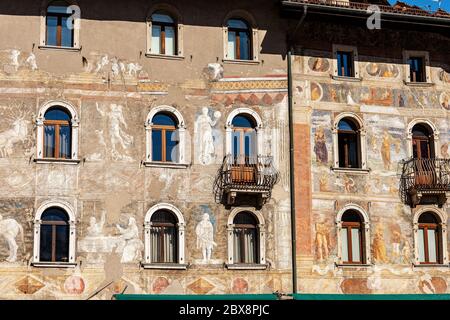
(54, 264)
(155, 164)
(351, 170)
(353, 265)
(246, 266)
(431, 265)
(164, 266)
(61, 161)
(234, 61)
(75, 49)
(164, 56)
(343, 78)
(419, 84)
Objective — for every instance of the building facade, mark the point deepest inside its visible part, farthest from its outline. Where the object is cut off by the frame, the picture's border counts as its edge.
(143, 149)
(371, 135)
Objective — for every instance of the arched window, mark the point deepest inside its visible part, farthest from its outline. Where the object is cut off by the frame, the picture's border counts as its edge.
(352, 238)
(429, 242)
(57, 134)
(349, 144)
(164, 138)
(163, 34)
(54, 242)
(244, 136)
(239, 40)
(163, 237)
(54, 235)
(246, 239)
(422, 142)
(59, 27)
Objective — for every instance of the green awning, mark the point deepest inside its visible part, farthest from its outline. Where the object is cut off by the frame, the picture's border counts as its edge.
(195, 297)
(307, 296)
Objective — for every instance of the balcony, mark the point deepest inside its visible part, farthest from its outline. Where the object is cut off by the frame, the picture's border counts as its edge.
(425, 181)
(245, 180)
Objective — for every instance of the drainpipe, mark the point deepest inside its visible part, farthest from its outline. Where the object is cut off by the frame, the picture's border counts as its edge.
(291, 152)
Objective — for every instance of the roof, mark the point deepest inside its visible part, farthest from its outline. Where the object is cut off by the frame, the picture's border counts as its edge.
(399, 8)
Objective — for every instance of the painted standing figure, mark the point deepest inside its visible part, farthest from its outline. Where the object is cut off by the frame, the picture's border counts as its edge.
(205, 237)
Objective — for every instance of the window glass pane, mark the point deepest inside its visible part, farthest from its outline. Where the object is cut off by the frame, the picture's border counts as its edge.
(231, 45)
(156, 145)
(236, 143)
(49, 141)
(62, 243)
(57, 114)
(55, 214)
(171, 146)
(353, 152)
(52, 23)
(250, 246)
(421, 247)
(156, 39)
(170, 40)
(237, 246)
(250, 140)
(432, 250)
(244, 46)
(67, 34)
(356, 252)
(344, 245)
(160, 17)
(57, 9)
(65, 142)
(163, 119)
(243, 122)
(236, 23)
(45, 249)
(346, 125)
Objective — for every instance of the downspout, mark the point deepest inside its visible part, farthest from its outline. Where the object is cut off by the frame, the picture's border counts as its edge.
(291, 152)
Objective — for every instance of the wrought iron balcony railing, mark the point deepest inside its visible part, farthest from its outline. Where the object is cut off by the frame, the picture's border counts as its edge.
(425, 180)
(245, 175)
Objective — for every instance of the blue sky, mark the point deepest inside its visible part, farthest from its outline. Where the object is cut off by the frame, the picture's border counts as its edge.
(427, 4)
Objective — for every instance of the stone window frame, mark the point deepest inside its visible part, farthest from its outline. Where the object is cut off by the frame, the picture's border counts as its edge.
(176, 15)
(181, 129)
(72, 234)
(363, 143)
(443, 224)
(354, 51)
(43, 28)
(247, 17)
(436, 133)
(262, 263)
(229, 129)
(426, 58)
(75, 122)
(366, 230)
(147, 263)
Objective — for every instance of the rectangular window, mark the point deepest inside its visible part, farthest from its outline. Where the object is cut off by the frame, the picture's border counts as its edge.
(417, 69)
(345, 64)
(59, 32)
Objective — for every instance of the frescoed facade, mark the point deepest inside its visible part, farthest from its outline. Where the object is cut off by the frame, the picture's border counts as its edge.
(371, 162)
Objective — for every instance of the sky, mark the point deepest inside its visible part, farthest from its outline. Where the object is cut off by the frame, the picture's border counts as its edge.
(431, 5)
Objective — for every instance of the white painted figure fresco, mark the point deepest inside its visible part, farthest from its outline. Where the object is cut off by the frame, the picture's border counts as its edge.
(204, 134)
(31, 61)
(95, 228)
(215, 71)
(15, 54)
(117, 135)
(17, 133)
(205, 237)
(131, 245)
(9, 230)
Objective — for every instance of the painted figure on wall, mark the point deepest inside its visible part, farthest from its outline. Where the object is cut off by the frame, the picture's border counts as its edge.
(406, 253)
(322, 241)
(444, 150)
(131, 246)
(320, 147)
(18, 132)
(378, 245)
(95, 228)
(388, 140)
(444, 100)
(117, 134)
(203, 129)
(319, 64)
(9, 230)
(205, 237)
